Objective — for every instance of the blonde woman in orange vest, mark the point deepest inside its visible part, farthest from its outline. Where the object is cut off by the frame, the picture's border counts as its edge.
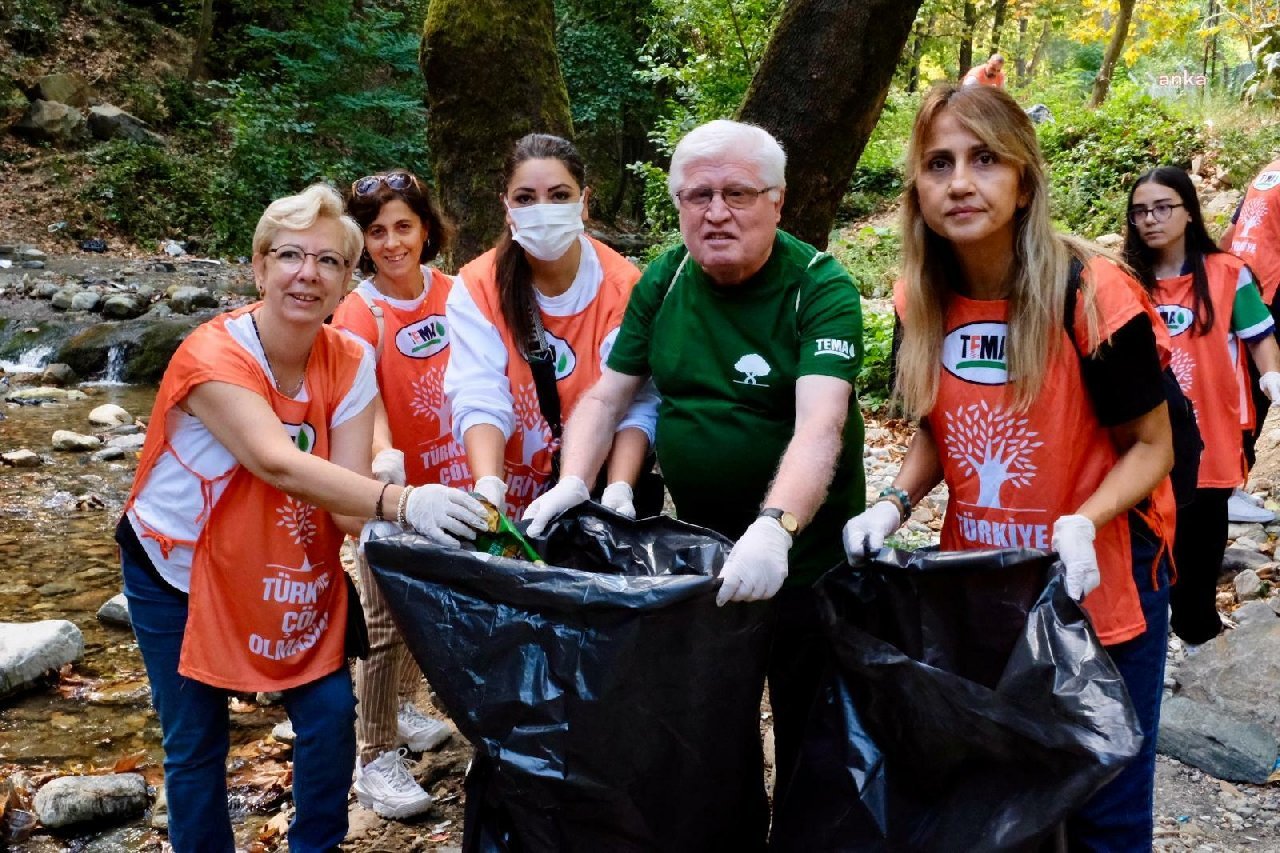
(397, 312)
(1050, 431)
(1211, 303)
(256, 464)
(547, 292)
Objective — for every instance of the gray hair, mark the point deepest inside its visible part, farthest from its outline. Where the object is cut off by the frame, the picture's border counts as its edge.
(721, 140)
(299, 212)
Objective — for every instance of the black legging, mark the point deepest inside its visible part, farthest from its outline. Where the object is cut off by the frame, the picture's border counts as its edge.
(1200, 540)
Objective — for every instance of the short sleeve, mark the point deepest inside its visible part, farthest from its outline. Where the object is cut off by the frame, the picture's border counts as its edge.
(1123, 378)
(354, 317)
(361, 393)
(1250, 318)
(630, 352)
(829, 321)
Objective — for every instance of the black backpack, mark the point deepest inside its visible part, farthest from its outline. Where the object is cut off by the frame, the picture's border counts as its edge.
(1187, 443)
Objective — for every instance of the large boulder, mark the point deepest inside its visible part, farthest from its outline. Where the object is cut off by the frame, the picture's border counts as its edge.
(65, 297)
(1238, 672)
(86, 300)
(30, 650)
(57, 375)
(88, 799)
(115, 611)
(1201, 735)
(110, 415)
(111, 122)
(189, 298)
(64, 88)
(124, 306)
(42, 394)
(65, 439)
(52, 122)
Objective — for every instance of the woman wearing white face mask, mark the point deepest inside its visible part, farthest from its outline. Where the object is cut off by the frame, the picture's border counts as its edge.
(531, 323)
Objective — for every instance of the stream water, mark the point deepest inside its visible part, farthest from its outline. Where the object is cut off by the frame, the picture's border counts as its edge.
(58, 561)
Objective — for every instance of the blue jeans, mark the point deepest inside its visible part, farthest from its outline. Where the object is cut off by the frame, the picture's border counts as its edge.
(196, 730)
(1119, 817)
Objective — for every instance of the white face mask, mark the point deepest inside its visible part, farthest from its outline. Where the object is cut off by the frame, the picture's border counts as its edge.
(546, 231)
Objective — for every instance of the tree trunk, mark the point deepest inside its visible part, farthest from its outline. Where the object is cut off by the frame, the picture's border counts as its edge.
(1118, 35)
(819, 90)
(1042, 45)
(997, 24)
(204, 34)
(966, 39)
(1020, 63)
(492, 76)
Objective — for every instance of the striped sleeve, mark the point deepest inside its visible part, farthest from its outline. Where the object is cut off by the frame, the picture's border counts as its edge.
(1250, 318)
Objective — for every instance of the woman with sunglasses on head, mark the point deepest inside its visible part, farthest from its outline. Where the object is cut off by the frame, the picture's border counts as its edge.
(1210, 301)
(1048, 424)
(257, 462)
(547, 299)
(397, 312)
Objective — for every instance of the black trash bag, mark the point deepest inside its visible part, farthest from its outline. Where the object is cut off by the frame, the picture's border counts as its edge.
(970, 708)
(612, 705)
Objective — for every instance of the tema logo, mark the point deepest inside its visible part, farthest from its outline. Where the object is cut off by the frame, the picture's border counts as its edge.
(975, 352)
(1266, 181)
(303, 435)
(1176, 317)
(752, 366)
(833, 346)
(566, 359)
(424, 338)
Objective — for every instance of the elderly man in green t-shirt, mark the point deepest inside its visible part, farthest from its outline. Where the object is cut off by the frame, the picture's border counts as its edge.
(753, 338)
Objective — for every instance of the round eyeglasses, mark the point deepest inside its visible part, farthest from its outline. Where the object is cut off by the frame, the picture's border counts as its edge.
(1161, 211)
(330, 265)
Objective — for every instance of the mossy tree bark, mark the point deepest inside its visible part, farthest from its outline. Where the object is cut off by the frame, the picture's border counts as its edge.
(492, 76)
(819, 90)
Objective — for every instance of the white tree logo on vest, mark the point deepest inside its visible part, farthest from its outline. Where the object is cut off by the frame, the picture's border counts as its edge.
(429, 399)
(1184, 369)
(995, 444)
(295, 516)
(535, 432)
(1252, 212)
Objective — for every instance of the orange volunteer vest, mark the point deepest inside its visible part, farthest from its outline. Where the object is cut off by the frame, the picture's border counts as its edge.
(268, 604)
(1208, 367)
(415, 352)
(1257, 236)
(1012, 474)
(576, 340)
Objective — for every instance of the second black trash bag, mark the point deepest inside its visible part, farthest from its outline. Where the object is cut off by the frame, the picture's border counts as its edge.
(972, 708)
(612, 705)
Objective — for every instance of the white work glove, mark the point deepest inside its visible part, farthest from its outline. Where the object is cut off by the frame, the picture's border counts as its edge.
(757, 565)
(620, 498)
(388, 467)
(493, 490)
(1073, 540)
(864, 534)
(374, 529)
(445, 515)
(1269, 383)
(555, 502)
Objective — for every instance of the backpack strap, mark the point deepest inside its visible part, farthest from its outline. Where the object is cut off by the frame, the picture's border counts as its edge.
(376, 310)
(1075, 270)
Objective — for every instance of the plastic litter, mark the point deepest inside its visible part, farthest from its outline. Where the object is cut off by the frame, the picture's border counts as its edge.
(972, 708)
(612, 705)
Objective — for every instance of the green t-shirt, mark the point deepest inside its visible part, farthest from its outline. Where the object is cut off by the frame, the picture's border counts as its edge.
(726, 360)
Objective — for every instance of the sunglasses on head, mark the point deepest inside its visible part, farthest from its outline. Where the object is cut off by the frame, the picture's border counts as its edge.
(397, 181)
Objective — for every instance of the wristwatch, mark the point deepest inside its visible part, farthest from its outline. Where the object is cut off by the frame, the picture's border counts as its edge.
(786, 519)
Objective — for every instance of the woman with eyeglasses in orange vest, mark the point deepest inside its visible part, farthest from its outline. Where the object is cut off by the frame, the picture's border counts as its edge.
(1211, 303)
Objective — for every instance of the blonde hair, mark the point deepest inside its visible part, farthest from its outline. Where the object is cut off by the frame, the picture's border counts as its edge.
(1041, 263)
(299, 212)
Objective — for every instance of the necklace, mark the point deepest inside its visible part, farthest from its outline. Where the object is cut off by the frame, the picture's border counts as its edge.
(279, 387)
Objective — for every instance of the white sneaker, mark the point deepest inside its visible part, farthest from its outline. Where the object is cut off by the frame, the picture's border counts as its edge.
(418, 731)
(1238, 492)
(386, 786)
(1243, 510)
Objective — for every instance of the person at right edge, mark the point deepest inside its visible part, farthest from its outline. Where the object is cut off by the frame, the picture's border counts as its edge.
(753, 340)
(1211, 304)
(1254, 237)
(1048, 429)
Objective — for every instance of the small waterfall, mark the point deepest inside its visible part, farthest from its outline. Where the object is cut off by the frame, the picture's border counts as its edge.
(29, 361)
(115, 366)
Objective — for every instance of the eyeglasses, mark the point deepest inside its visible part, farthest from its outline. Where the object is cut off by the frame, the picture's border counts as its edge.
(739, 198)
(397, 181)
(330, 265)
(1161, 211)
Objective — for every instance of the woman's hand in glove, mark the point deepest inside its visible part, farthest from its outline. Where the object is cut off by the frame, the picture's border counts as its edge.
(445, 515)
(388, 467)
(620, 498)
(555, 502)
(1073, 540)
(864, 534)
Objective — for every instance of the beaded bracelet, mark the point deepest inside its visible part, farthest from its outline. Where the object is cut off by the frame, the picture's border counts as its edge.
(900, 497)
(377, 509)
(401, 518)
